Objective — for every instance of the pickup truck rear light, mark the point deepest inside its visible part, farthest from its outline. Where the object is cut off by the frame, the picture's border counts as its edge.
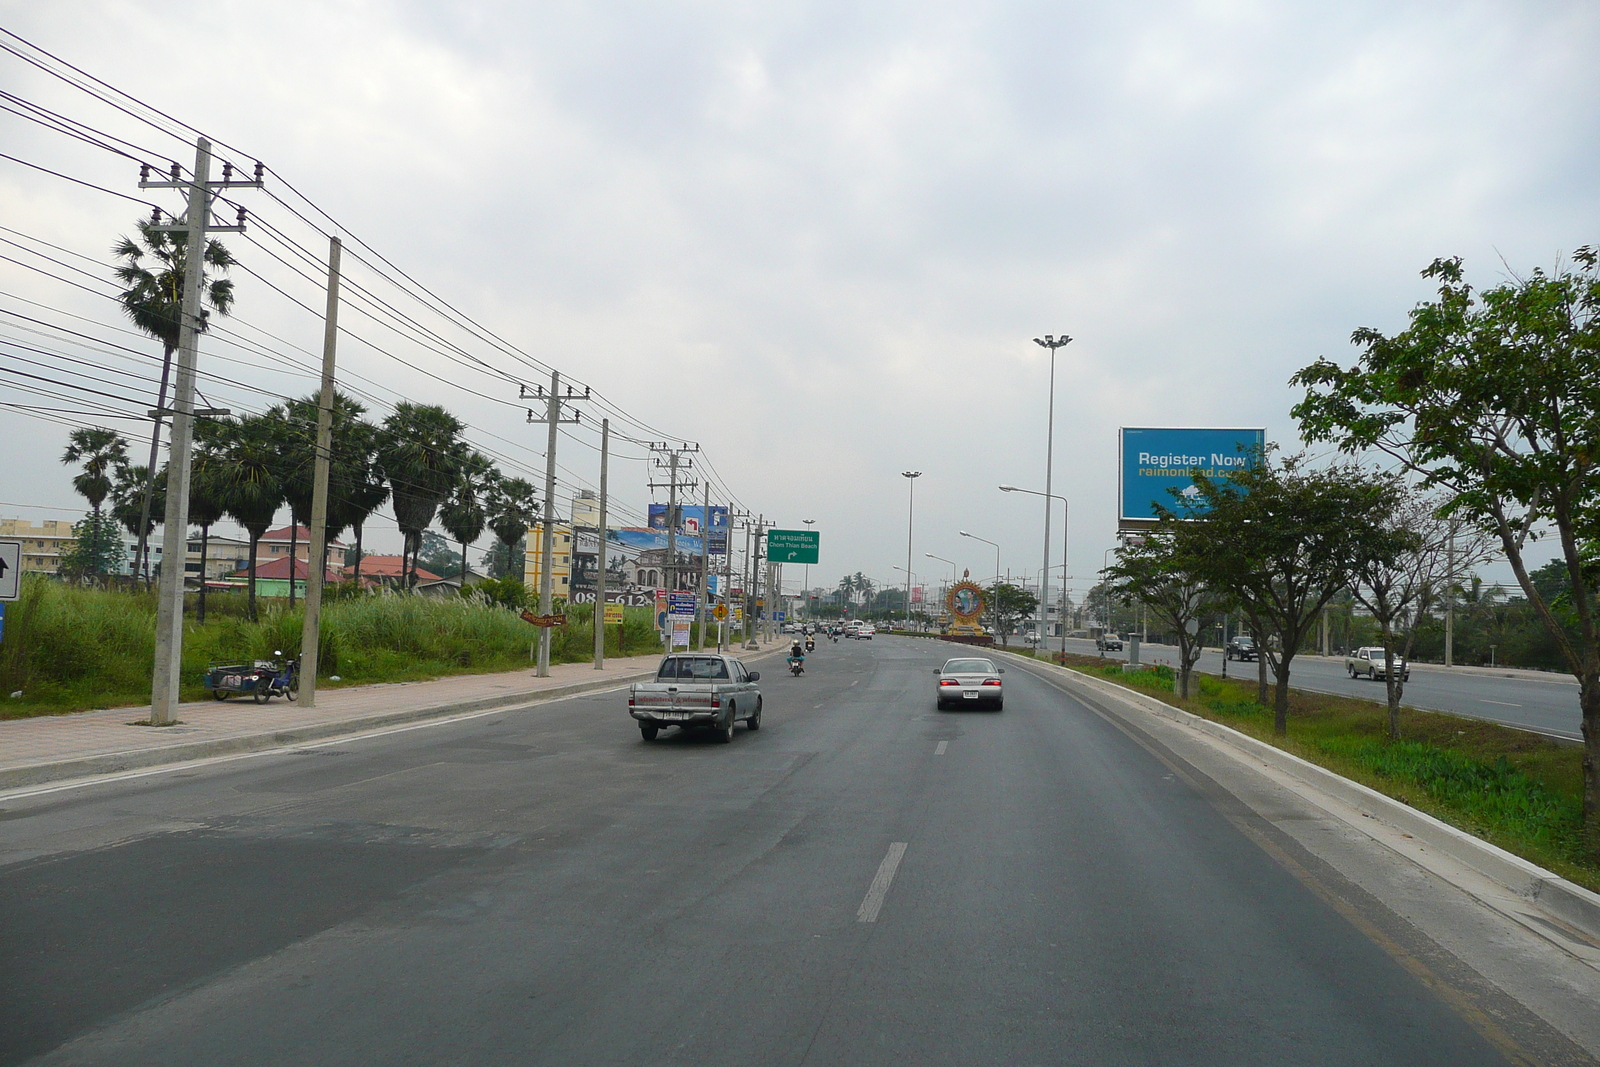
(948, 681)
(716, 702)
(991, 681)
(630, 702)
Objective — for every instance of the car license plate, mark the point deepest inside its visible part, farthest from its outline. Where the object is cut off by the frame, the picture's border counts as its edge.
(969, 696)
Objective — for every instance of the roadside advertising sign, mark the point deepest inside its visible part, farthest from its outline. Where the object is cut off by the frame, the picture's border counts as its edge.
(682, 603)
(680, 633)
(695, 520)
(1155, 460)
(613, 615)
(793, 546)
(10, 569)
(780, 616)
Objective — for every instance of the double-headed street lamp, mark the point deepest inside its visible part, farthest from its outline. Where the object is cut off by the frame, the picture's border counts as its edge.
(1044, 582)
(1051, 342)
(995, 596)
(805, 592)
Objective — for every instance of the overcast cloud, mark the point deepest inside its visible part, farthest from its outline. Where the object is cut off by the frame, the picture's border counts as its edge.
(818, 237)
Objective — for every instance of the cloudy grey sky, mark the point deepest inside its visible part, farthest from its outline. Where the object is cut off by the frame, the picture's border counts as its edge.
(818, 237)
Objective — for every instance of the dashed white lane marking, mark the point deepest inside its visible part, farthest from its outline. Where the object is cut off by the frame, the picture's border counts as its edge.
(1502, 703)
(873, 901)
(942, 746)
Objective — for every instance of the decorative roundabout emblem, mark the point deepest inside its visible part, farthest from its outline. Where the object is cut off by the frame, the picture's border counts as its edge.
(966, 602)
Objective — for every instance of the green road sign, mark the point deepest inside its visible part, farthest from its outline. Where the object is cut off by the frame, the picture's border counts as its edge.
(792, 546)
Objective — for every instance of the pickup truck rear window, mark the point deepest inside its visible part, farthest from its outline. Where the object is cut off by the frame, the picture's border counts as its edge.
(703, 668)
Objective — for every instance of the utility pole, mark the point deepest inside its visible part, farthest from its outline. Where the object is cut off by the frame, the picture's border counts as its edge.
(600, 572)
(761, 588)
(553, 419)
(805, 593)
(674, 461)
(743, 519)
(166, 673)
(310, 631)
(705, 566)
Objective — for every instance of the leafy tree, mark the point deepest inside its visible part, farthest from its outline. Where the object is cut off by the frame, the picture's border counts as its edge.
(349, 465)
(1155, 571)
(436, 554)
(1494, 396)
(1010, 605)
(465, 512)
(102, 454)
(152, 297)
(420, 452)
(513, 509)
(206, 494)
(96, 548)
(1280, 540)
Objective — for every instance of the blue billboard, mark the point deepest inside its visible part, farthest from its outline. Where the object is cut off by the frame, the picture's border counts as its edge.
(695, 520)
(1156, 460)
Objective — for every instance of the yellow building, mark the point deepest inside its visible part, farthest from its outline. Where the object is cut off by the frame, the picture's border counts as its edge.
(43, 544)
(560, 560)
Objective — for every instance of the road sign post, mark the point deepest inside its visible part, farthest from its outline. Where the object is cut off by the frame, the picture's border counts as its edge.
(792, 546)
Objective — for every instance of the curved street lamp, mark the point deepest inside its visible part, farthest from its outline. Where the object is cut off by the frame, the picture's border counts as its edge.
(996, 596)
(911, 505)
(1044, 580)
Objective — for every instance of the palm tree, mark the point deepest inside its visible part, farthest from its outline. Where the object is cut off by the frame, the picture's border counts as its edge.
(102, 453)
(133, 497)
(420, 452)
(153, 299)
(354, 490)
(249, 482)
(513, 509)
(206, 492)
(465, 513)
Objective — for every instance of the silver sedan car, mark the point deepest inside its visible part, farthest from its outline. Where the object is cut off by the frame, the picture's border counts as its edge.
(969, 682)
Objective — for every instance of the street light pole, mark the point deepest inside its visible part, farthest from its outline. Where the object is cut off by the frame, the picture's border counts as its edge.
(1052, 343)
(996, 594)
(805, 591)
(1044, 584)
(911, 504)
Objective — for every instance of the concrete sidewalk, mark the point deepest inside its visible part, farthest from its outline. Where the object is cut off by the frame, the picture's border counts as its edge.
(56, 747)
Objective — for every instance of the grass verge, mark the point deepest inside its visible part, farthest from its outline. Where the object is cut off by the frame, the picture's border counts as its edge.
(1512, 788)
(69, 648)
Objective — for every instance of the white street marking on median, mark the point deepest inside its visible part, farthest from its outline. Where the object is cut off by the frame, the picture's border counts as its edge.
(1502, 703)
(942, 746)
(873, 901)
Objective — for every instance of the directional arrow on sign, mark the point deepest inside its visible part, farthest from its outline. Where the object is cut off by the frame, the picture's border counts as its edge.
(10, 569)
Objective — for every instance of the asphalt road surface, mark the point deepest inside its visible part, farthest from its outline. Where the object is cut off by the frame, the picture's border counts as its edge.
(863, 881)
(1545, 705)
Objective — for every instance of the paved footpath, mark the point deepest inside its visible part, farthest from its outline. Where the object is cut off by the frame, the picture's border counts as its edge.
(54, 747)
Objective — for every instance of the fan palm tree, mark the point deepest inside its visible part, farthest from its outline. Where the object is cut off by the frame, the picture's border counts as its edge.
(249, 481)
(513, 509)
(420, 452)
(354, 490)
(130, 509)
(102, 454)
(152, 297)
(206, 492)
(465, 513)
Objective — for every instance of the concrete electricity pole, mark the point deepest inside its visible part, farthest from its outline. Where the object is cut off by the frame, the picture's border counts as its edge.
(674, 461)
(310, 631)
(196, 223)
(741, 518)
(553, 419)
(805, 594)
(600, 572)
(705, 567)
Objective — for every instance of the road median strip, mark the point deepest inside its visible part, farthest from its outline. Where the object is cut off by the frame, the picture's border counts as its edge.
(1558, 896)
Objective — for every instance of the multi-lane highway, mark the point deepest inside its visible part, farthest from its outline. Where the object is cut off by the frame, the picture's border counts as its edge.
(863, 881)
(1547, 704)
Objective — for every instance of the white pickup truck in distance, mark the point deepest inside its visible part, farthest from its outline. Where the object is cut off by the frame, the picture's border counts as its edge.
(1370, 662)
(697, 689)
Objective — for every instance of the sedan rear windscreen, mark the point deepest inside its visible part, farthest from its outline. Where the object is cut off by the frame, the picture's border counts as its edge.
(969, 666)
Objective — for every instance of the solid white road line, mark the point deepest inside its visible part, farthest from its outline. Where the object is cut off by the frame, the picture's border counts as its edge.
(873, 901)
(942, 746)
(1502, 703)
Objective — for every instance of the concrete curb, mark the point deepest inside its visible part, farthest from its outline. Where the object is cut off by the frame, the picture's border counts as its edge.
(1565, 900)
(112, 763)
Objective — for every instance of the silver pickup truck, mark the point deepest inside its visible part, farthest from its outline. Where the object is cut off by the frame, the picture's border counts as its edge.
(1369, 662)
(697, 689)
